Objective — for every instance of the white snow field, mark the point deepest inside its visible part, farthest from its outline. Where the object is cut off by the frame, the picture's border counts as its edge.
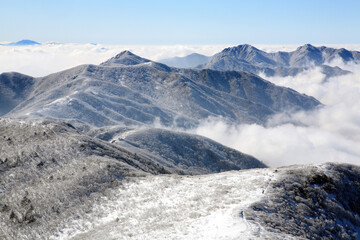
(178, 207)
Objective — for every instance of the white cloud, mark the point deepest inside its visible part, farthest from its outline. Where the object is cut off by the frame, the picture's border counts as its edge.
(330, 133)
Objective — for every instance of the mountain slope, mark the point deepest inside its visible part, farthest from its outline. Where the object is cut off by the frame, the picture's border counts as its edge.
(131, 90)
(51, 173)
(14, 89)
(313, 202)
(295, 202)
(185, 153)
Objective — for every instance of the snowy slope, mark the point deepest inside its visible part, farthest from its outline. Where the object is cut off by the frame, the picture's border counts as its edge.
(130, 90)
(51, 173)
(48, 170)
(185, 153)
(248, 204)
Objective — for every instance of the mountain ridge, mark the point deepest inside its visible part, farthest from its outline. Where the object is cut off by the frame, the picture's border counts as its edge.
(131, 90)
(248, 58)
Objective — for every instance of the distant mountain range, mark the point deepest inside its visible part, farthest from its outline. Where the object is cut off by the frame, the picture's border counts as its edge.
(22, 43)
(131, 90)
(250, 59)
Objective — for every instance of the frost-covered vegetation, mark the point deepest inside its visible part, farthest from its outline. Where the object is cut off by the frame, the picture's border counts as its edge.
(296, 202)
(50, 172)
(314, 202)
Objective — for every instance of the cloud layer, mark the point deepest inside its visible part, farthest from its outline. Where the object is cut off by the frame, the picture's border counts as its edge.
(328, 134)
(41, 60)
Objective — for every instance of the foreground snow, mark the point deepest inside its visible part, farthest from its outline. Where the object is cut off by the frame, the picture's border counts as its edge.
(178, 207)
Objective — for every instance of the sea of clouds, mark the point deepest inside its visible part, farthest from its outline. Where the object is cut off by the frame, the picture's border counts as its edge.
(41, 60)
(328, 134)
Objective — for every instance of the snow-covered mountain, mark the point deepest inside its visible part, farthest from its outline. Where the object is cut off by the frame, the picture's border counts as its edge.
(188, 61)
(131, 90)
(51, 172)
(59, 183)
(184, 153)
(248, 58)
(296, 202)
(80, 157)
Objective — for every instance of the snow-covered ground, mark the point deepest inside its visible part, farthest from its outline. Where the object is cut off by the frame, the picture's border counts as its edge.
(178, 207)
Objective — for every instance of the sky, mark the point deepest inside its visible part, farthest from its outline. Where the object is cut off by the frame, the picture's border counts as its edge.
(159, 22)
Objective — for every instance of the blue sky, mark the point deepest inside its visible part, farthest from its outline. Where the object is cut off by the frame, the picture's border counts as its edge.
(181, 22)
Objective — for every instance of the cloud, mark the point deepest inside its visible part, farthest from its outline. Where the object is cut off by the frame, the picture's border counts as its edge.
(328, 134)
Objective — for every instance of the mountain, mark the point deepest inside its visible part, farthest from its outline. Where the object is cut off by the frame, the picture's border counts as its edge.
(250, 59)
(295, 202)
(23, 43)
(52, 172)
(59, 183)
(131, 90)
(80, 157)
(188, 61)
(183, 153)
(124, 58)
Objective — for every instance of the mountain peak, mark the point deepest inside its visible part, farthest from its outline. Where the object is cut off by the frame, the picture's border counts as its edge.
(241, 48)
(125, 54)
(125, 58)
(306, 47)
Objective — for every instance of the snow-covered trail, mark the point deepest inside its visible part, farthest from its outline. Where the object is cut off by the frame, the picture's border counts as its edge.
(177, 207)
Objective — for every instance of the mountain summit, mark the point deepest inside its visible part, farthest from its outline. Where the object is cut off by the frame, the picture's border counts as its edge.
(125, 58)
